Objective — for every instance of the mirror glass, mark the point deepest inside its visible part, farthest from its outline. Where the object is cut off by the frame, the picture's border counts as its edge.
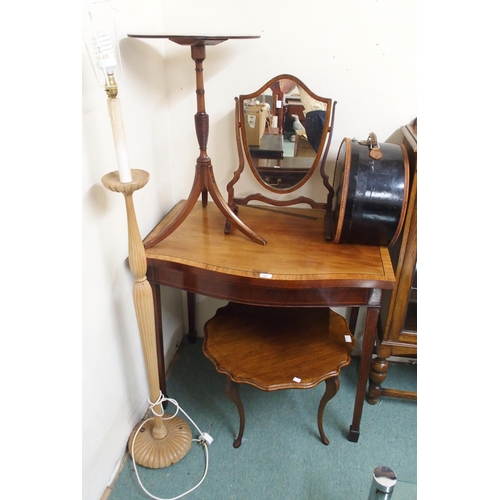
(283, 128)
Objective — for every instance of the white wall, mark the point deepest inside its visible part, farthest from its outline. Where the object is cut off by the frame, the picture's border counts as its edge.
(361, 53)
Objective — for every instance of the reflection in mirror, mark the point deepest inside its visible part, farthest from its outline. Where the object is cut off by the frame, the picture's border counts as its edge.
(284, 126)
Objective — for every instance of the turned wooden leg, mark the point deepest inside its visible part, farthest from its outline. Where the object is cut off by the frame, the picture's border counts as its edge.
(378, 374)
(332, 386)
(233, 393)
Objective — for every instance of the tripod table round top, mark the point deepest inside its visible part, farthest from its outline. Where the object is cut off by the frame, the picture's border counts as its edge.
(189, 39)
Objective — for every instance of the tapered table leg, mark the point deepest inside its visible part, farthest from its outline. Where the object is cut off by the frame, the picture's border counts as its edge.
(191, 303)
(364, 370)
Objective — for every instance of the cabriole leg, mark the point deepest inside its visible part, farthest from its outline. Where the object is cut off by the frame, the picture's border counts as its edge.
(332, 386)
(233, 393)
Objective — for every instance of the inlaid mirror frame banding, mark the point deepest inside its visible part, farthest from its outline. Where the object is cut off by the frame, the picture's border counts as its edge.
(244, 151)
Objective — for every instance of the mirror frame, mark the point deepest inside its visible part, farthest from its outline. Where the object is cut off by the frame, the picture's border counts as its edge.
(321, 155)
(315, 160)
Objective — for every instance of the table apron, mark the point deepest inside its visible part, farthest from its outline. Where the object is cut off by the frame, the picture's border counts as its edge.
(268, 294)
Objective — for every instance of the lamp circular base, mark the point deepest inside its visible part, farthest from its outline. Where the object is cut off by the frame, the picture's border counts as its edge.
(155, 453)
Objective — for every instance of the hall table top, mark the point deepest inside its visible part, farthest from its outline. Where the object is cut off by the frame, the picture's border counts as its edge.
(296, 259)
(296, 268)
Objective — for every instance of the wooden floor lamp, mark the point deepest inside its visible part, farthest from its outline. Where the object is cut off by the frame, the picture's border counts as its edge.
(161, 440)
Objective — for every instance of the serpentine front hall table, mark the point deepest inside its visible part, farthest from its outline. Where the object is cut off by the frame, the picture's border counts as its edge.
(296, 268)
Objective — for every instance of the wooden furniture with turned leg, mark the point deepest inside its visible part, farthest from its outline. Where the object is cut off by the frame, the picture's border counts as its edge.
(275, 348)
(204, 180)
(398, 313)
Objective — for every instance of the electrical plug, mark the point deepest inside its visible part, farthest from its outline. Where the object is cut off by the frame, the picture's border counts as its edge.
(206, 438)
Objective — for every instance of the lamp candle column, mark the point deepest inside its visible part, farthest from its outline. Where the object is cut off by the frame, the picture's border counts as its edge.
(115, 116)
(161, 441)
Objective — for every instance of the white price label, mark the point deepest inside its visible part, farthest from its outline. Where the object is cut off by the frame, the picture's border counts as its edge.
(265, 275)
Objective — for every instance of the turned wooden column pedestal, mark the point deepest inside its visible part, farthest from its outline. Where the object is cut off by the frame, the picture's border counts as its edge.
(161, 441)
(204, 180)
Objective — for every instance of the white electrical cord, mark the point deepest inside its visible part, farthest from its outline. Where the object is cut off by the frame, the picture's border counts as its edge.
(204, 439)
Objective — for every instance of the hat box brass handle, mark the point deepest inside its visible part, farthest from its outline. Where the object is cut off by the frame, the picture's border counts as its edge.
(375, 152)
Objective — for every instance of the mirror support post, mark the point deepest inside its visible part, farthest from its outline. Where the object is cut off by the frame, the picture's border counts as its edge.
(329, 187)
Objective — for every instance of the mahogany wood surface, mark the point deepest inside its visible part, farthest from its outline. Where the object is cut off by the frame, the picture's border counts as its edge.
(278, 348)
(297, 268)
(269, 347)
(296, 257)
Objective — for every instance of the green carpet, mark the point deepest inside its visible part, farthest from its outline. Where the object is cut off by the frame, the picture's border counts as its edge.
(282, 456)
